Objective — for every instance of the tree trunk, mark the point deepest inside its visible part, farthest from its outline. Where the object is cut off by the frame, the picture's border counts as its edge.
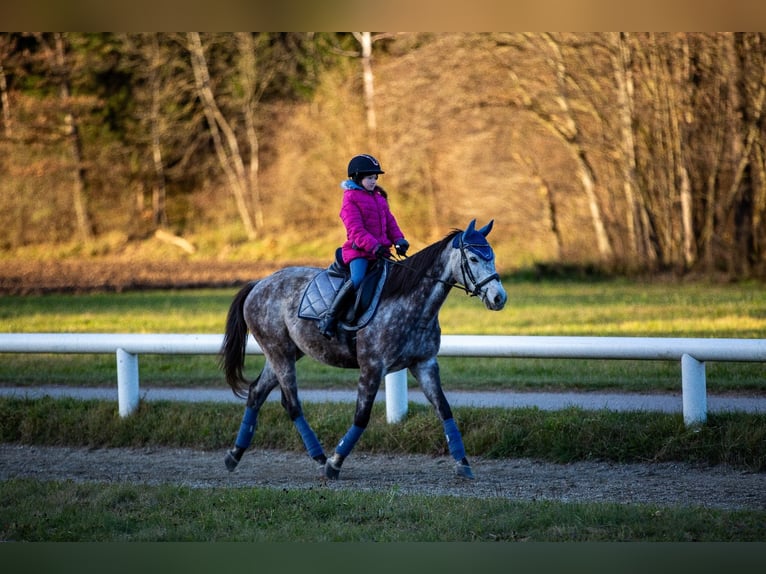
(83, 225)
(222, 133)
(365, 40)
(566, 127)
(159, 211)
(248, 75)
(5, 104)
(639, 243)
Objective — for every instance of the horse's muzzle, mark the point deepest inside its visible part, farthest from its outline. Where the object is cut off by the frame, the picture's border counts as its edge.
(494, 297)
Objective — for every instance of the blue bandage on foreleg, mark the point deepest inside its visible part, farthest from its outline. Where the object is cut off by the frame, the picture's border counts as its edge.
(454, 440)
(347, 443)
(247, 428)
(310, 440)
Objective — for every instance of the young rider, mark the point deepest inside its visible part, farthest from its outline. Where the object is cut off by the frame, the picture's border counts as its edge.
(371, 230)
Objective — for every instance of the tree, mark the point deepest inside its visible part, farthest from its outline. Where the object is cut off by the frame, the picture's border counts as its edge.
(166, 121)
(60, 67)
(556, 114)
(6, 48)
(222, 132)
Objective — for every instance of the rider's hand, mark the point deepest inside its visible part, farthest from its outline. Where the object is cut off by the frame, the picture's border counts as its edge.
(402, 246)
(381, 252)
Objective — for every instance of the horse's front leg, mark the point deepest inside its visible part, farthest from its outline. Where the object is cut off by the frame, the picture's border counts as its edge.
(427, 375)
(369, 383)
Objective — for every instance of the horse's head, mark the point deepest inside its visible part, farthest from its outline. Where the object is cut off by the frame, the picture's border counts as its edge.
(474, 266)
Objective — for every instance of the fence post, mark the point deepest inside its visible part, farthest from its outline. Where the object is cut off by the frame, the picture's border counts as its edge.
(127, 382)
(396, 396)
(694, 390)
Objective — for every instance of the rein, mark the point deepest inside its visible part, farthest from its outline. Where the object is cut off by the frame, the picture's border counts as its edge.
(465, 269)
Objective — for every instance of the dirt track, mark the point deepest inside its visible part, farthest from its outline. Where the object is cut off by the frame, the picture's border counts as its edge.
(666, 484)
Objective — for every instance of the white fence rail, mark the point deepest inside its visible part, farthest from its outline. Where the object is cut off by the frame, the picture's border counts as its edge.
(692, 353)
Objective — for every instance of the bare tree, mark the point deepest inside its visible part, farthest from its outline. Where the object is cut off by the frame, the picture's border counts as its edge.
(365, 41)
(638, 221)
(57, 58)
(561, 122)
(251, 91)
(6, 47)
(223, 135)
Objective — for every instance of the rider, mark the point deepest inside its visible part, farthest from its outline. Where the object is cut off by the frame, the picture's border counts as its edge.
(371, 229)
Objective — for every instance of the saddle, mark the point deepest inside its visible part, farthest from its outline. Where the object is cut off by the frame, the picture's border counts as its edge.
(321, 290)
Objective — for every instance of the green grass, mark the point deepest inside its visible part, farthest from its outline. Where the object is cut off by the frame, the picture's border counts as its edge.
(736, 439)
(609, 307)
(65, 512)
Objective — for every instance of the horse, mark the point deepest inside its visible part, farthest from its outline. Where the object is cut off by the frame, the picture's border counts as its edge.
(404, 333)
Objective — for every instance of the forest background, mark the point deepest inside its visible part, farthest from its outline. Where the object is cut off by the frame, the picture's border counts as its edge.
(629, 152)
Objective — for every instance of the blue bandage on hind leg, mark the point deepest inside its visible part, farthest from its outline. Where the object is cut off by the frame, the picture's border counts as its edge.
(454, 440)
(247, 428)
(347, 443)
(310, 440)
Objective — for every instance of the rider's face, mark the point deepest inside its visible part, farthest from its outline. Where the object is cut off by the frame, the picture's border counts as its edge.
(370, 181)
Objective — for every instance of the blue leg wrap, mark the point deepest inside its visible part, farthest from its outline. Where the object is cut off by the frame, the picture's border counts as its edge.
(309, 437)
(454, 440)
(347, 443)
(246, 429)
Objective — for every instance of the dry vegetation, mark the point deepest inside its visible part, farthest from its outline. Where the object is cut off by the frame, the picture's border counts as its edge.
(502, 127)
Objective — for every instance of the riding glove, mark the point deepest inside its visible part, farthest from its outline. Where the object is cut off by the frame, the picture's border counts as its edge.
(381, 252)
(402, 246)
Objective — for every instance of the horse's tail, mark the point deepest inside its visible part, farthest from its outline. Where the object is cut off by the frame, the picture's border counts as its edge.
(232, 353)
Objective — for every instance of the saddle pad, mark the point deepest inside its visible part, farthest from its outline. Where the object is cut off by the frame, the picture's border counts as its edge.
(319, 294)
(321, 290)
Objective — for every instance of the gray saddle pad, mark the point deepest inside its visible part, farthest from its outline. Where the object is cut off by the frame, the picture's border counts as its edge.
(321, 290)
(319, 295)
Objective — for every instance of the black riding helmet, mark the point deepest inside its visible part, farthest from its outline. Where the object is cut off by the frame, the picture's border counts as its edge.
(362, 165)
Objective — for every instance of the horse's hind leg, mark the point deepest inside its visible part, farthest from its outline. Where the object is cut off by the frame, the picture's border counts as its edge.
(368, 389)
(427, 375)
(259, 392)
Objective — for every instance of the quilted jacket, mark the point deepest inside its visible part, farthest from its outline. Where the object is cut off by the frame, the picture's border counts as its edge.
(368, 220)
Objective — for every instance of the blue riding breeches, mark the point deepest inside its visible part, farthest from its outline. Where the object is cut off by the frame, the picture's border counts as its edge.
(358, 268)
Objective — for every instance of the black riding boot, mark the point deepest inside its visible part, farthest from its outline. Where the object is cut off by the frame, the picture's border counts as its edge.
(329, 321)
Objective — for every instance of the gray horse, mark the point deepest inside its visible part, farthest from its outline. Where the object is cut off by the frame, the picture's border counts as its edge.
(404, 333)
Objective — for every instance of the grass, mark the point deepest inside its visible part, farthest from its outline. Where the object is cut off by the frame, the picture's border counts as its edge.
(65, 511)
(736, 439)
(606, 307)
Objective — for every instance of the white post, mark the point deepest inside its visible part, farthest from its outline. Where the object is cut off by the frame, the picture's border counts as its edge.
(693, 388)
(396, 396)
(127, 382)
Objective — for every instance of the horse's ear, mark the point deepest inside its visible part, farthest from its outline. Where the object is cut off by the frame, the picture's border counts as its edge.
(487, 228)
(470, 229)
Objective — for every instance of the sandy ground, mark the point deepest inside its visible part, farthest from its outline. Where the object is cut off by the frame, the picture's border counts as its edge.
(661, 484)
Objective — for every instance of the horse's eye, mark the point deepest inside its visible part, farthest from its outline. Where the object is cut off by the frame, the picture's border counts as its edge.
(473, 259)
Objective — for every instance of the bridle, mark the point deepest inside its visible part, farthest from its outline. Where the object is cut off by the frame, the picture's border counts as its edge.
(465, 269)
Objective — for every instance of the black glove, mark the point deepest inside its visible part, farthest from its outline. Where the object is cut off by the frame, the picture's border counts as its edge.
(402, 246)
(381, 252)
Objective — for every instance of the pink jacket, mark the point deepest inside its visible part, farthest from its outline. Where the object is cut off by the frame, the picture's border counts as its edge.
(368, 220)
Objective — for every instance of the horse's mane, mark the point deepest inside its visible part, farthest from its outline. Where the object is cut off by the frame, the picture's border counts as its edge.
(403, 279)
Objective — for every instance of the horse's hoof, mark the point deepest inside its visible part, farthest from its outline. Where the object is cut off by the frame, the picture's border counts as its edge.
(331, 471)
(232, 460)
(464, 471)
